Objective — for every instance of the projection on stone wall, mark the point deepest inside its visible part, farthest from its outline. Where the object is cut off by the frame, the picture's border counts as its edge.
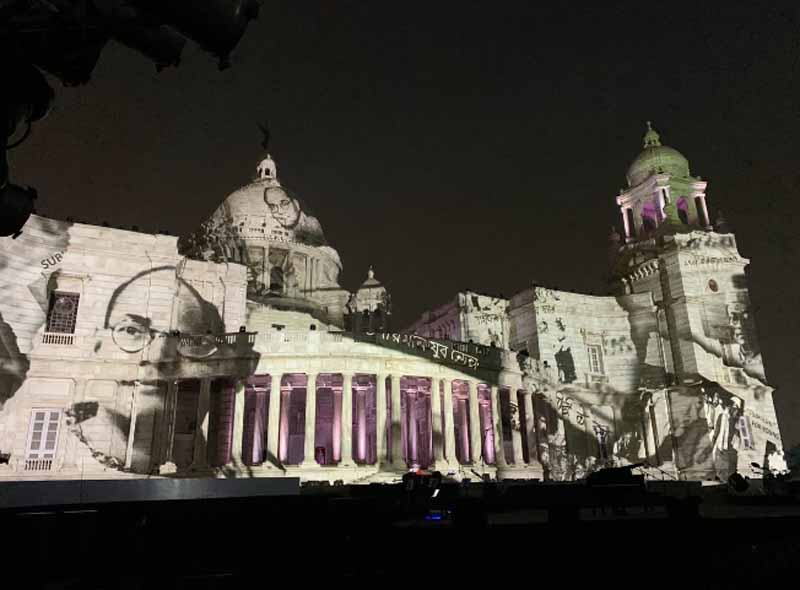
(729, 333)
(182, 343)
(23, 290)
(288, 212)
(170, 349)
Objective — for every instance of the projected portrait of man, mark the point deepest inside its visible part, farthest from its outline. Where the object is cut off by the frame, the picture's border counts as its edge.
(164, 349)
(743, 349)
(729, 334)
(286, 210)
(131, 329)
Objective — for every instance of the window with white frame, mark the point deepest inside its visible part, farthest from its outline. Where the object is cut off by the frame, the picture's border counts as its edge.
(62, 312)
(42, 439)
(595, 359)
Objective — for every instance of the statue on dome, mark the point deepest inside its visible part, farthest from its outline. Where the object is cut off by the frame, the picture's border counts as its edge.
(287, 211)
(266, 168)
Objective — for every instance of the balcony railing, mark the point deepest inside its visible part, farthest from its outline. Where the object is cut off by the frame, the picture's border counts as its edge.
(38, 464)
(229, 339)
(58, 338)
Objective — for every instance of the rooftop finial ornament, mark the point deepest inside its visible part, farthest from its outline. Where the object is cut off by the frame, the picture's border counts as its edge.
(651, 137)
(265, 135)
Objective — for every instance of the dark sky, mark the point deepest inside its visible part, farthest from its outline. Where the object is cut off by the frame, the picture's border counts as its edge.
(456, 145)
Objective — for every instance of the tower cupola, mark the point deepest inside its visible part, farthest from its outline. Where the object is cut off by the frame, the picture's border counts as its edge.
(662, 195)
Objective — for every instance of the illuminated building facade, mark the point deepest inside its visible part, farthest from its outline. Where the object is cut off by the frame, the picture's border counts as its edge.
(234, 352)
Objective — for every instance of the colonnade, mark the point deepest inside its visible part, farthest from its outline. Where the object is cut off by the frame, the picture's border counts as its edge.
(400, 422)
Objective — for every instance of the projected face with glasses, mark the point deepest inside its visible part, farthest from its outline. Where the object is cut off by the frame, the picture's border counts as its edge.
(133, 328)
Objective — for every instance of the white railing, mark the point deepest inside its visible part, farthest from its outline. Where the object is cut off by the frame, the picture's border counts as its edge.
(38, 464)
(230, 338)
(57, 338)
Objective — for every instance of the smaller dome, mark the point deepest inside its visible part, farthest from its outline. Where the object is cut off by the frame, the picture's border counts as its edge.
(371, 280)
(656, 159)
(372, 294)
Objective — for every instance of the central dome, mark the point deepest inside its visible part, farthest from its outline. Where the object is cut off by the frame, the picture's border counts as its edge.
(656, 159)
(266, 228)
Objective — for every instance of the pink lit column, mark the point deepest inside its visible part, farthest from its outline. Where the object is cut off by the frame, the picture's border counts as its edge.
(361, 414)
(274, 422)
(497, 428)
(411, 427)
(397, 426)
(380, 420)
(347, 420)
(474, 423)
(464, 429)
(449, 426)
(337, 425)
(311, 421)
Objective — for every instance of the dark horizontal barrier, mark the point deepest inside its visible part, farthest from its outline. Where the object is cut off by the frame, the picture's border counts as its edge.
(21, 494)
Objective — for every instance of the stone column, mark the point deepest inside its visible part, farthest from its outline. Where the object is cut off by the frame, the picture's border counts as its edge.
(347, 420)
(411, 428)
(436, 416)
(397, 426)
(381, 456)
(497, 429)
(449, 425)
(530, 425)
(311, 421)
(238, 422)
(625, 222)
(516, 433)
(283, 442)
(274, 419)
(132, 426)
(200, 460)
(169, 421)
(706, 221)
(474, 424)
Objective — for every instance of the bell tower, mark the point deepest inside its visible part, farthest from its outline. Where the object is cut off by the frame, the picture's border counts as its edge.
(698, 282)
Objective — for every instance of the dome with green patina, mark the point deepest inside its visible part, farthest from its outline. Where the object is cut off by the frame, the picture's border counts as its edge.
(656, 159)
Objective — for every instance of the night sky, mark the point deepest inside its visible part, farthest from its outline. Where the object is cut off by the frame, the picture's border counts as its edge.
(456, 145)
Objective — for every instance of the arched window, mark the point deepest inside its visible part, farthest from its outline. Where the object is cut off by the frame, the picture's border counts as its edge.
(683, 210)
(631, 223)
(649, 217)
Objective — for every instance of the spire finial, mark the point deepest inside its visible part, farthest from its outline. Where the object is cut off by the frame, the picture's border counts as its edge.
(651, 137)
(265, 134)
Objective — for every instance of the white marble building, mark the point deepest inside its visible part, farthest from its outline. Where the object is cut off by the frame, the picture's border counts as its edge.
(124, 354)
